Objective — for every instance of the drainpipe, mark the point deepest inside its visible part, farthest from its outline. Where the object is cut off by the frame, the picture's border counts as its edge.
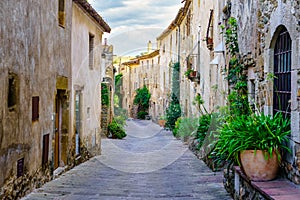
(199, 50)
(178, 45)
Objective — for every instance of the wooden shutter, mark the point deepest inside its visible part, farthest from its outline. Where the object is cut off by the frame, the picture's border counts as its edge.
(35, 108)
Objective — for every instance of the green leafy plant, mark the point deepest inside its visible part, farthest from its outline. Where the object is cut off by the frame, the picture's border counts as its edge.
(118, 96)
(121, 120)
(188, 72)
(173, 112)
(236, 76)
(162, 117)
(104, 94)
(116, 130)
(253, 132)
(204, 124)
(186, 127)
(199, 102)
(142, 115)
(176, 127)
(142, 99)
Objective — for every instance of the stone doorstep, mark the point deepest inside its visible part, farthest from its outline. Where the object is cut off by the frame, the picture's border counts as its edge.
(278, 189)
(60, 170)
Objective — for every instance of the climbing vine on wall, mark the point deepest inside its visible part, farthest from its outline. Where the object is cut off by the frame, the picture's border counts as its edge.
(173, 112)
(118, 95)
(236, 76)
(104, 94)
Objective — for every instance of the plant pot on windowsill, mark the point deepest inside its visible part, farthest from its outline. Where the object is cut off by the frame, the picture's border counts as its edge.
(209, 43)
(194, 76)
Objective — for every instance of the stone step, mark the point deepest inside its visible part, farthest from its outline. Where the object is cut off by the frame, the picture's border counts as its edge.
(278, 189)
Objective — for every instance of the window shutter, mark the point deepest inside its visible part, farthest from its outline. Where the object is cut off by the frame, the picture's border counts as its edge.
(35, 108)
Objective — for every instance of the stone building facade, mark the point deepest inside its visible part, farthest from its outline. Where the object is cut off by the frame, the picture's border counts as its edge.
(269, 35)
(87, 69)
(37, 131)
(192, 38)
(107, 111)
(35, 77)
(130, 84)
(149, 66)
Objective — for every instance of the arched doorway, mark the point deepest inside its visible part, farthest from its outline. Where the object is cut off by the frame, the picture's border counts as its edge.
(282, 73)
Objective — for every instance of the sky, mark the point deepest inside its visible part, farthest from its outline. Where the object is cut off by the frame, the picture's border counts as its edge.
(135, 22)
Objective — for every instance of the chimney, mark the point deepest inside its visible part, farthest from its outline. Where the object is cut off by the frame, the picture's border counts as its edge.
(149, 46)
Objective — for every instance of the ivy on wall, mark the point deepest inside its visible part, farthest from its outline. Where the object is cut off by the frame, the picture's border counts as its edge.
(173, 112)
(104, 94)
(236, 76)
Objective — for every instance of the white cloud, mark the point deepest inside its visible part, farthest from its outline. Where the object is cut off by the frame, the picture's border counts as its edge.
(135, 22)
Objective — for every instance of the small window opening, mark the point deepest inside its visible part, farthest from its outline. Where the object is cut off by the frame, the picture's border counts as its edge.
(61, 13)
(12, 91)
(35, 108)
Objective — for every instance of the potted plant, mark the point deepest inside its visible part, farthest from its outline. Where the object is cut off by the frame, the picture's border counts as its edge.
(255, 142)
(209, 43)
(162, 121)
(188, 72)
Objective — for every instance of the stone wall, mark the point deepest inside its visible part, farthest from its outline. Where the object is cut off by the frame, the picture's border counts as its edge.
(35, 51)
(239, 187)
(16, 188)
(258, 27)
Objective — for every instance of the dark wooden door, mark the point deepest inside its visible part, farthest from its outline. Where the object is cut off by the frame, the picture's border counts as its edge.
(57, 131)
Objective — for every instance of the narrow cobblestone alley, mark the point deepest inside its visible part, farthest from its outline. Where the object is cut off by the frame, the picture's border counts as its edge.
(148, 164)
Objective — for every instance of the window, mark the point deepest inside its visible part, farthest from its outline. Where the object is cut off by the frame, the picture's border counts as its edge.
(61, 13)
(35, 108)
(91, 51)
(282, 73)
(12, 91)
(252, 94)
(20, 167)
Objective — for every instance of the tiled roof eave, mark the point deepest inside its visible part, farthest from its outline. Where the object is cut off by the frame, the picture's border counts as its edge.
(93, 13)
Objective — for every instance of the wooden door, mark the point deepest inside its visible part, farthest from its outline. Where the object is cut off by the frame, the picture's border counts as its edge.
(57, 132)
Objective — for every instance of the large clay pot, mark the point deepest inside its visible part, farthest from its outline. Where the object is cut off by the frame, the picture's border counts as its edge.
(257, 167)
(162, 122)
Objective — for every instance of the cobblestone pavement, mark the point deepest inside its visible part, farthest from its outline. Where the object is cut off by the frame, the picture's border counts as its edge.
(148, 164)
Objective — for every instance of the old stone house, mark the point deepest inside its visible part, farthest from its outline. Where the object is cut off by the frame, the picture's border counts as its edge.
(108, 81)
(149, 76)
(37, 120)
(140, 71)
(87, 74)
(130, 77)
(193, 39)
(167, 44)
(269, 34)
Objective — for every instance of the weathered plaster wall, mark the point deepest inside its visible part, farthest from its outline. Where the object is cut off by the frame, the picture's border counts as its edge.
(36, 49)
(87, 80)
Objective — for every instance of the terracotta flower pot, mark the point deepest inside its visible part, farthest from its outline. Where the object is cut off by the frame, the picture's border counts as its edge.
(162, 122)
(257, 167)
